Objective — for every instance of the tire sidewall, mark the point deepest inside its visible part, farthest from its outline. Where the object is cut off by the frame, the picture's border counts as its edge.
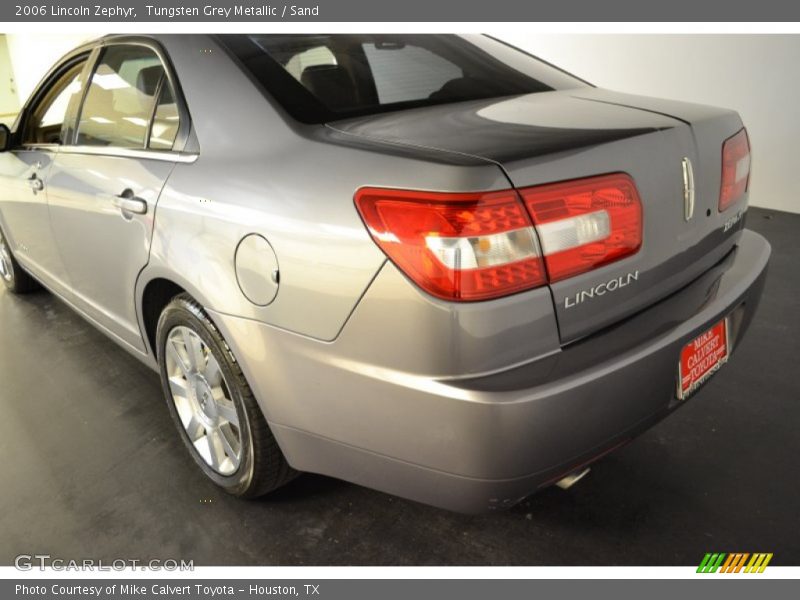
(183, 312)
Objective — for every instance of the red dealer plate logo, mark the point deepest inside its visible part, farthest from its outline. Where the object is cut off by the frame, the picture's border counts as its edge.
(701, 358)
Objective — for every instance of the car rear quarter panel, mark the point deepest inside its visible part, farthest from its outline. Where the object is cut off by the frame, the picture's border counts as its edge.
(257, 172)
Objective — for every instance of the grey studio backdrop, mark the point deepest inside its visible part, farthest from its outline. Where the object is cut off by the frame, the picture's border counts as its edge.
(413, 10)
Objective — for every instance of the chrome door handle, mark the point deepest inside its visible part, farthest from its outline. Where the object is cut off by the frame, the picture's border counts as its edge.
(128, 203)
(37, 185)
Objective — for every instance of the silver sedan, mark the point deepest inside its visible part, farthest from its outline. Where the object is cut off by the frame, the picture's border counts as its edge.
(429, 264)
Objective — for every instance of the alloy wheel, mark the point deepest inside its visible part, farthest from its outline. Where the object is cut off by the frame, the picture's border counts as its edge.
(203, 401)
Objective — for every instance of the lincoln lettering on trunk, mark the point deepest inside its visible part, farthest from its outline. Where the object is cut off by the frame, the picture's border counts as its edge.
(601, 289)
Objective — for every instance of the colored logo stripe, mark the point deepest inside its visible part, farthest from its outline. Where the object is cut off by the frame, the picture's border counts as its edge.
(711, 562)
(734, 562)
(758, 563)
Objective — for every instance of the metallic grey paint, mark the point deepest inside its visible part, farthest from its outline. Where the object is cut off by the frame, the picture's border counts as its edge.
(360, 374)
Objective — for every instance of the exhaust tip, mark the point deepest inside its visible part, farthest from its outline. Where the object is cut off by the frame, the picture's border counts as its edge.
(567, 482)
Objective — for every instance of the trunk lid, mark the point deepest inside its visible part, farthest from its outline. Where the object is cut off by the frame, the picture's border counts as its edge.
(555, 136)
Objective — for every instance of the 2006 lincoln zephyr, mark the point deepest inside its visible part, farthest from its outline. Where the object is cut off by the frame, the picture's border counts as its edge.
(428, 264)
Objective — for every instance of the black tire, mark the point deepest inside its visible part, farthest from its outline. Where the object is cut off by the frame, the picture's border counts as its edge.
(16, 279)
(263, 467)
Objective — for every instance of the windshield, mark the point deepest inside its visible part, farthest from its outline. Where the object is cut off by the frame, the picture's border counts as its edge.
(320, 78)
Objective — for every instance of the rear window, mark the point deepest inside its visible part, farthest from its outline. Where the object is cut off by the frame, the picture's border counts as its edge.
(319, 78)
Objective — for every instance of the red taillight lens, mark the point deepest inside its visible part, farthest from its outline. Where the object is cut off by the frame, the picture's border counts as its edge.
(484, 245)
(585, 223)
(455, 246)
(735, 169)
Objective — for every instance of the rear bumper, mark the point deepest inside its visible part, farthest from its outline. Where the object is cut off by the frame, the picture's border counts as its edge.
(487, 442)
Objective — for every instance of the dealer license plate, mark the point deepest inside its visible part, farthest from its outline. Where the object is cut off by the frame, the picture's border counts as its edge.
(701, 358)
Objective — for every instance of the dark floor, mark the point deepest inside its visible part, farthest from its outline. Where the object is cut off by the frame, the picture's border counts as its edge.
(90, 467)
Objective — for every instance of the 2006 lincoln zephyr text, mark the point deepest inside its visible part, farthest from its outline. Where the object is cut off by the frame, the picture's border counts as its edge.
(428, 264)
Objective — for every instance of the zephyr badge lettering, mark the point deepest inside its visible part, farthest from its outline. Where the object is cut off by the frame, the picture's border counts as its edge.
(601, 289)
(688, 189)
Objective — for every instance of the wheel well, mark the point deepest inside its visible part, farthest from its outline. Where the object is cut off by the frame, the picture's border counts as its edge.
(156, 296)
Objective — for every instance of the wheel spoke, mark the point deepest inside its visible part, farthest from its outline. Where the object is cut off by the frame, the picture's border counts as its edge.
(228, 446)
(174, 353)
(195, 428)
(184, 407)
(203, 449)
(227, 411)
(178, 387)
(194, 351)
(212, 373)
(215, 448)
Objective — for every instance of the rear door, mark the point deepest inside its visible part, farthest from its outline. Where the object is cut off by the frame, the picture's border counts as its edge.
(103, 187)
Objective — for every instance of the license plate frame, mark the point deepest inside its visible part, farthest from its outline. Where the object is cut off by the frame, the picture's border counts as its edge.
(702, 357)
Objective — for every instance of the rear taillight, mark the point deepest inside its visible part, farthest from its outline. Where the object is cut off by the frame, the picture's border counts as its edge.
(478, 246)
(455, 246)
(735, 169)
(585, 223)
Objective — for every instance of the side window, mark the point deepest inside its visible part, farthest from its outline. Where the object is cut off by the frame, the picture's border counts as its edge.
(165, 119)
(121, 98)
(45, 121)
